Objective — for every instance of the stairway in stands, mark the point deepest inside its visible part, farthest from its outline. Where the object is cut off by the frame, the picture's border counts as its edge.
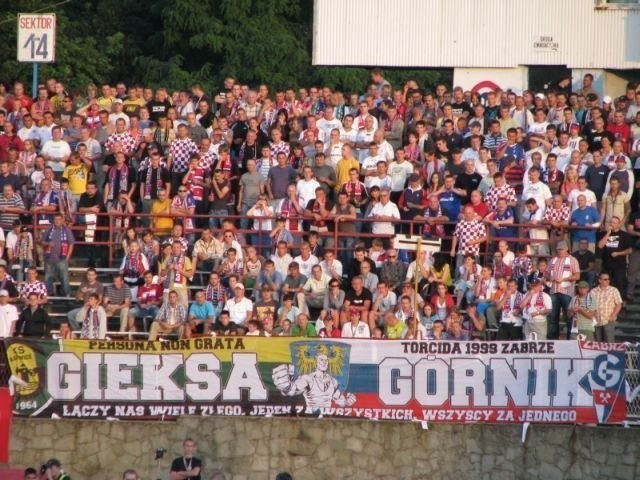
(628, 325)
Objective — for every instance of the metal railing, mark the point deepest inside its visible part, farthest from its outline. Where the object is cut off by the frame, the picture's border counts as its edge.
(115, 232)
(632, 375)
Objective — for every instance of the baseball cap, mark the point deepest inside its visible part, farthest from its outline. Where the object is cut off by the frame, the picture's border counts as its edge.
(118, 100)
(354, 311)
(583, 284)
(4, 293)
(24, 228)
(53, 462)
(621, 159)
(239, 285)
(606, 99)
(540, 96)
(562, 245)
(622, 98)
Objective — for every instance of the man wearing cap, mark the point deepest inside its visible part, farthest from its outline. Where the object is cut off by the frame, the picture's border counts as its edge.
(616, 246)
(583, 311)
(54, 470)
(356, 327)
(535, 308)
(239, 307)
(8, 315)
(564, 271)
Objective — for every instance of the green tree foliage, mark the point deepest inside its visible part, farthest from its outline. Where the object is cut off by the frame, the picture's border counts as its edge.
(177, 42)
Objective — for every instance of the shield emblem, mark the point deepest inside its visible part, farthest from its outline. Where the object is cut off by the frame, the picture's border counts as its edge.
(333, 357)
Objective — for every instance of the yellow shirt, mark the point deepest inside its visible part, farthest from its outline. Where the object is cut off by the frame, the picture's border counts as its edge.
(162, 225)
(395, 332)
(78, 175)
(342, 171)
(183, 281)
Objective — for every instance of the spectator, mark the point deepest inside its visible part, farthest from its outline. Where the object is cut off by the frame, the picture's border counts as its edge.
(93, 319)
(615, 247)
(117, 300)
(303, 328)
(536, 307)
(171, 318)
(175, 272)
(33, 320)
(608, 305)
(187, 466)
(583, 312)
(58, 243)
(149, 298)
(240, 308)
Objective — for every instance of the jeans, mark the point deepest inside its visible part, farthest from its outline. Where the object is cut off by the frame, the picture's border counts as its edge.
(57, 271)
(71, 316)
(262, 242)
(216, 217)
(244, 221)
(559, 301)
(345, 253)
(22, 267)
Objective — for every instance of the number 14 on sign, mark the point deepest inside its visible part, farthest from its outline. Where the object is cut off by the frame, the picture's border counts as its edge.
(37, 46)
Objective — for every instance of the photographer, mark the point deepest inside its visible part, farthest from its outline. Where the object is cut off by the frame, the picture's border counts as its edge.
(53, 470)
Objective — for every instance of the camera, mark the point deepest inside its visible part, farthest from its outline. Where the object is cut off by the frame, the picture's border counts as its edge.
(43, 469)
(159, 453)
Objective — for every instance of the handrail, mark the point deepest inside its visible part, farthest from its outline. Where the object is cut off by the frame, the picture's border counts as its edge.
(335, 234)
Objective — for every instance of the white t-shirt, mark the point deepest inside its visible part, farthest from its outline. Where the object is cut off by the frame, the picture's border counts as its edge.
(238, 310)
(575, 193)
(538, 191)
(359, 331)
(389, 210)
(399, 173)
(8, 316)
(306, 265)
(307, 190)
(564, 157)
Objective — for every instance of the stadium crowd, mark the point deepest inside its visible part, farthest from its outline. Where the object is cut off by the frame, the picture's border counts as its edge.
(277, 210)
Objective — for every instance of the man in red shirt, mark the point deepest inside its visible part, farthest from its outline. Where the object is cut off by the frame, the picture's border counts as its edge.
(149, 301)
(620, 130)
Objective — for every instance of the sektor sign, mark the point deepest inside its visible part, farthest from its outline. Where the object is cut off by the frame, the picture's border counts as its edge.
(37, 37)
(546, 382)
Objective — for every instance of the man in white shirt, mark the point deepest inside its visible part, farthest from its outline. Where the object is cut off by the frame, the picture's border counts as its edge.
(239, 307)
(364, 138)
(355, 327)
(369, 168)
(29, 131)
(536, 189)
(385, 212)
(385, 150)
(306, 187)
(563, 151)
(328, 122)
(582, 190)
(348, 133)
(306, 260)
(8, 315)
(118, 106)
(56, 151)
(399, 170)
(331, 266)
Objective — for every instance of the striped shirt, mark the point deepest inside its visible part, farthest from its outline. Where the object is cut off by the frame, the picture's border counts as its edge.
(565, 268)
(117, 296)
(7, 219)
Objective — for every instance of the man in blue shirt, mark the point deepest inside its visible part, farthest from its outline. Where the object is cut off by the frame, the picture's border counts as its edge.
(200, 315)
(449, 199)
(584, 216)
